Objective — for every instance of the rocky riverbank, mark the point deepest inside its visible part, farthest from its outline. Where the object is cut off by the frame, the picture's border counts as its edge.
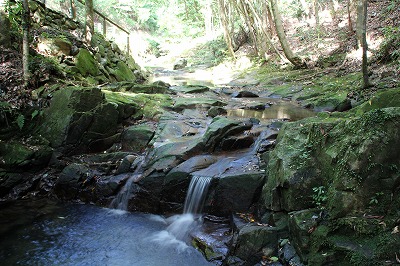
(293, 186)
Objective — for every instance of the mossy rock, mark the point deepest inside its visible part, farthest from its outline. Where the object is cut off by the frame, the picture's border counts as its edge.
(146, 105)
(136, 138)
(17, 156)
(77, 117)
(86, 64)
(191, 103)
(353, 159)
(388, 98)
(123, 72)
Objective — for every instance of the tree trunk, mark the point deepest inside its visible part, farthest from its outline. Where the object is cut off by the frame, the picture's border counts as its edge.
(316, 14)
(25, 42)
(349, 21)
(295, 60)
(225, 25)
(366, 83)
(208, 16)
(73, 9)
(360, 21)
(89, 23)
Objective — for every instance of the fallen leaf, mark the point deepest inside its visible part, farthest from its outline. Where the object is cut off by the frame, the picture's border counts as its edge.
(395, 230)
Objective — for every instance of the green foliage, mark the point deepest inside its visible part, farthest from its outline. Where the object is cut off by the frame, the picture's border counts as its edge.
(20, 121)
(319, 196)
(374, 199)
(390, 47)
(14, 11)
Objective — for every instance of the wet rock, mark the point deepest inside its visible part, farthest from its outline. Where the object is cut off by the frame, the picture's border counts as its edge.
(216, 111)
(177, 180)
(236, 192)
(71, 180)
(180, 63)
(244, 94)
(236, 142)
(190, 89)
(9, 181)
(125, 165)
(222, 127)
(109, 185)
(248, 245)
(136, 138)
(198, 102)
(255, 106)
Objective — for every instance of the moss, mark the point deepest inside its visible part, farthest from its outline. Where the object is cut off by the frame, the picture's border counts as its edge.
(149, 105)
(123, 73)
(86, 64)
(389, 98)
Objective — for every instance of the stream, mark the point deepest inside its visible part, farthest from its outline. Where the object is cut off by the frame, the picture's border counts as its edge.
(48, 233)
(51, 233)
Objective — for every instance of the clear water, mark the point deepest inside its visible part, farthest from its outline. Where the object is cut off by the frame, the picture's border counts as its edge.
(89, 235)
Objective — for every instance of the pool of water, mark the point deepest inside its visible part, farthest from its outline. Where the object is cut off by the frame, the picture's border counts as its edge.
(72, 234)
(279, 110)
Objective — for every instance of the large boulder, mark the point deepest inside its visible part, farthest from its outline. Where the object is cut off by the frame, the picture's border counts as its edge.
(347, 167)
(77, 117)
(136, 138)
(340, 155)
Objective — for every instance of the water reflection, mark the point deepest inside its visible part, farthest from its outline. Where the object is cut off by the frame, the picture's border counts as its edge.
(280, 110)
(89, 235)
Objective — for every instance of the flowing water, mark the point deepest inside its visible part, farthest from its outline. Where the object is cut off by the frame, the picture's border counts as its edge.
(181, 226)
(88, 235)
(122, 199)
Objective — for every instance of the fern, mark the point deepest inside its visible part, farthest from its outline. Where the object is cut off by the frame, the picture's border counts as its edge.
(21, 121)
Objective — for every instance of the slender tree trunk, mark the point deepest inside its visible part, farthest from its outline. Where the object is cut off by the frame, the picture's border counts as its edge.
(207, 13)
(25, 42)
(73, 9)
(350, 23)
(89, 24)
(366, 83)
(316, 14)
(225, 25)
(295, 60)
(264, 30)
(333, 10)
(360, 22)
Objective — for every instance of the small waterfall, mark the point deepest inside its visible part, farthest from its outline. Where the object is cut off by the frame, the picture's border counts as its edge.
(196, 194)
(122, 199)
(181, 225)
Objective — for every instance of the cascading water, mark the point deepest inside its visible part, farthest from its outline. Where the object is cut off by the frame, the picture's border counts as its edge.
(181, 225)
(122, 199)
(196, 194)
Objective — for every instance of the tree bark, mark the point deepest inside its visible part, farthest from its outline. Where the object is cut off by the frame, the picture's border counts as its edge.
(224, 22)
(89, 23)
(295, 60)
(316, 13)
(25, 42)
(366, 83)
(73, 9)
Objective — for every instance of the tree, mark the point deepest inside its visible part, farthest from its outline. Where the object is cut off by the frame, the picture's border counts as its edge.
(25, 42)
(294, 59)
(225, 25)
(89, 22)
(364, 44)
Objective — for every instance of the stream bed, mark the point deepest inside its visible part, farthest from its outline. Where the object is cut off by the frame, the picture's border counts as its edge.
(49, 233)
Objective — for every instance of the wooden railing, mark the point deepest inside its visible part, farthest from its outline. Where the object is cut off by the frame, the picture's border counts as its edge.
(105, 19)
